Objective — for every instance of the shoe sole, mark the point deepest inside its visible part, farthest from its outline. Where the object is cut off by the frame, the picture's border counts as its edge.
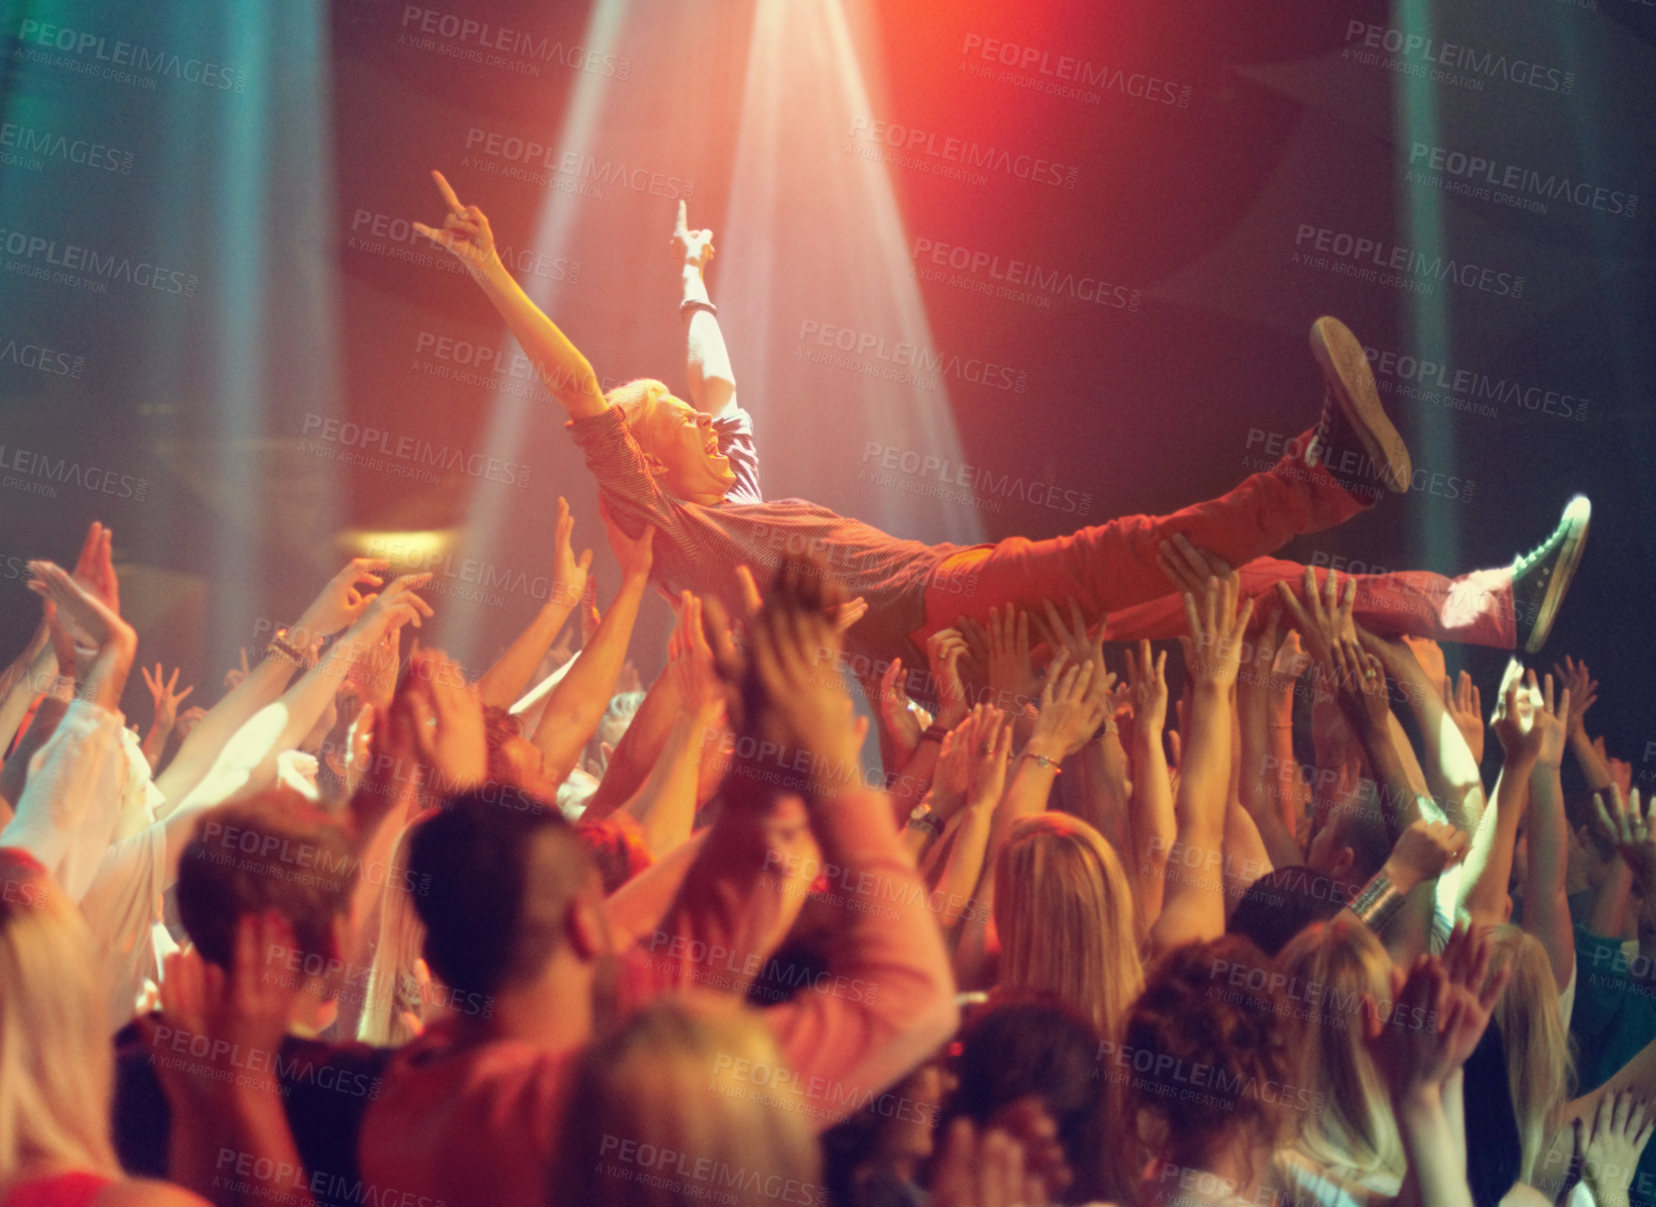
(1578, 514)
(1347, 372)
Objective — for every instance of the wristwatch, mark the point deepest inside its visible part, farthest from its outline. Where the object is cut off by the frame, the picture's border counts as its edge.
(922, 818)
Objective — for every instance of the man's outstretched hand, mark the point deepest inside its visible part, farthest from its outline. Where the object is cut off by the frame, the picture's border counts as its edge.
(465, 233)
(695, 248)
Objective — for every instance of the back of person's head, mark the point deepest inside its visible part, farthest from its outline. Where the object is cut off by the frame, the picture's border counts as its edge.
(1041, 1047)
(1282, 903)
(514, 760)
(56, 1063)
(1331, 967)
(496, 884)
(1217, 1007)
(274, 851)
(1352, 843)
(1536, 1044)
(1064, 914)
(681, 1107)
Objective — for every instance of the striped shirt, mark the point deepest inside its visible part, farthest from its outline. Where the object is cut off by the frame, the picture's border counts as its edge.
(698, 547)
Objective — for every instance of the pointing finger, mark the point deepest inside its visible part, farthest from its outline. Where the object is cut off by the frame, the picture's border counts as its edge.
(449, 198)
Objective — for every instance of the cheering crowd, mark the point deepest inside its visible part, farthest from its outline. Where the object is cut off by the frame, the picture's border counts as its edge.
(1077, 923)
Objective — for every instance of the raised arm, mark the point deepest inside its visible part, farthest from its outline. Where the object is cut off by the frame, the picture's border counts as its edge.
(1450, 766)
(166, 699)
(507, 679)
(338, 604)
(465, 234)
(1150, 813)
(1194, 905)
(578, 702)
(1546, 902)
(1489, 862)
(712, 380)
(1264, 718)
(665, 804)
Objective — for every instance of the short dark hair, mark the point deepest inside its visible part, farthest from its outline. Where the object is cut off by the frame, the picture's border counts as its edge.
(1283, 902)
(274, 851)
(496, 883)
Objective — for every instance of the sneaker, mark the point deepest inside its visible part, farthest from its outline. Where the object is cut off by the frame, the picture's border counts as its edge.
(1540, 578)
(1353, 421)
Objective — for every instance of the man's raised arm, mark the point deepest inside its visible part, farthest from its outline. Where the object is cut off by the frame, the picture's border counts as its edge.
(466, 235)
(712, 380)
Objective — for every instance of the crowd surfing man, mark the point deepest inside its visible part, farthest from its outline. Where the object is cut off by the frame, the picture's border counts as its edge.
(691, 470)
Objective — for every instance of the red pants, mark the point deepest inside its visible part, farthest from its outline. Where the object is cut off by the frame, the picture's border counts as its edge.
(1475, 609)
(1110, 569)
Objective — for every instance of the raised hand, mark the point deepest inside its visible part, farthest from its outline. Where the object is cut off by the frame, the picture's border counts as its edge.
(445, 719)
(1439, 1014)
(394, 607)
(569, 573)
(1423, 851)
(1073, 639)
(1011, 671)
(1073, 704)
(1464, 704)
(991, 751)
(691, 247)
(82, 609)
(465, 233)
(95, 567)
(944, 650)
(690, 661)
(1323, 619)
(1148, 682)
(1216, 628)
(340, 602)
(1513, 720)
(895, 714)
(954, 763)
(1583, 691)
(1611, 1142)
(164, 696)
(1629, 827)
(1361, 682)
(1550, 722)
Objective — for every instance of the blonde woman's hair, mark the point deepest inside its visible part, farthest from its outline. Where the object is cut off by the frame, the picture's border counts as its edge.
(685, 1106)
(1064, 914)
(1331, 965)
(393, 993)
(636, 401)
(57, 1067)
(1539, 1068)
